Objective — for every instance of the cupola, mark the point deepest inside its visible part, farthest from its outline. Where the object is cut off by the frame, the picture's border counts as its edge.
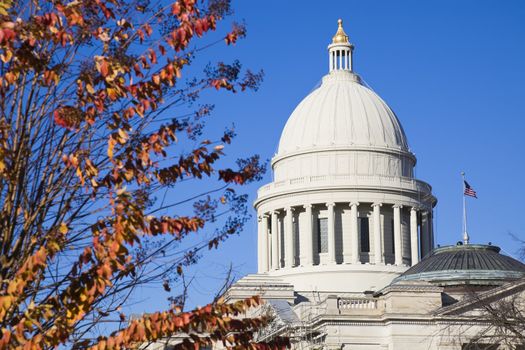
(340, 50)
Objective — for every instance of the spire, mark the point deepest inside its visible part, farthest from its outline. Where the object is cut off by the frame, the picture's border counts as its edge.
(340, 50)
(340, 37)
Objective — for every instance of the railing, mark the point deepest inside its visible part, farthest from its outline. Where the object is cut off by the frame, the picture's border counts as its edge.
(356, 303)
(280, 183)
(298, 180)
(399, 183)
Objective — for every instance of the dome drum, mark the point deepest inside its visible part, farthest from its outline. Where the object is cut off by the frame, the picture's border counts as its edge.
(349, 161)
(319, 236)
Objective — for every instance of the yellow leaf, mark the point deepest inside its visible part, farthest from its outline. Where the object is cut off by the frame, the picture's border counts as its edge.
(63, 228)
(90, 88)
(6, 56)
(111, 146)
(123, 136)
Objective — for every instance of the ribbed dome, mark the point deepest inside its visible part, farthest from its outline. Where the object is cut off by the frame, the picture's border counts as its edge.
(465, 263)
(342, 112)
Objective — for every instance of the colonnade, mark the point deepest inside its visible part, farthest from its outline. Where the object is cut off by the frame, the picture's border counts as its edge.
(277, 227)
(340, 59)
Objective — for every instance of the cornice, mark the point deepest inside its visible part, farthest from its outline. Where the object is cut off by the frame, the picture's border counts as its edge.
(413, 198)
(413, 188)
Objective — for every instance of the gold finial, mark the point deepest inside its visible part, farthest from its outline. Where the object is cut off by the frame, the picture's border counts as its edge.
(340, 37)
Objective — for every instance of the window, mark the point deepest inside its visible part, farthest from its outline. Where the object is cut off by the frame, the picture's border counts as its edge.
(322, 237)
(297, 247)
(365, 235)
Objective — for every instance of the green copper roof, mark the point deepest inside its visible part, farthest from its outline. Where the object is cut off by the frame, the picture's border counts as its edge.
(471, 263)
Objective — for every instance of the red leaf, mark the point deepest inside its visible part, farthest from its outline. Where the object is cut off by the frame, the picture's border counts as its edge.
(104, 68)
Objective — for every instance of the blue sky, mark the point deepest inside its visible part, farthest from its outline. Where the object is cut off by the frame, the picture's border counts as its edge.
(453, 71)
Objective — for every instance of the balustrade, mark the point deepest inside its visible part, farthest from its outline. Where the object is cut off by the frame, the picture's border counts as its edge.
(356, 303)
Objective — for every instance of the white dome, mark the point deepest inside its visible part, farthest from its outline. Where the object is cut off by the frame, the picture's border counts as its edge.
(342, 113)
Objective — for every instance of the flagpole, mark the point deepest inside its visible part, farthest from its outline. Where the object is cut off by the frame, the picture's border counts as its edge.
(465, 234)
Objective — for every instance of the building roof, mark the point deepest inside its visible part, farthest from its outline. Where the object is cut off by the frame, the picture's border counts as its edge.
(342, 112)
(461, 264)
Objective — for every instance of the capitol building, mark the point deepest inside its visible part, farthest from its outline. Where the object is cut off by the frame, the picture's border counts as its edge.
(346, 252)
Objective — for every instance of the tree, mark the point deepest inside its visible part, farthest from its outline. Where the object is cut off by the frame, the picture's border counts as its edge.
(497, 316)
(506, 321)
(84, 159)
(502, 311)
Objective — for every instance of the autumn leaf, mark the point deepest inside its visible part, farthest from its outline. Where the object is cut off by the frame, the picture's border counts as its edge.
(69, 117)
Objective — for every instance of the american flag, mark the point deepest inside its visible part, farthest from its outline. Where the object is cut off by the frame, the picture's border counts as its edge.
(469, 191)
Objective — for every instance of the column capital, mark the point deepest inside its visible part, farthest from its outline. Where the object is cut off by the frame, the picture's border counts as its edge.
(276, 211)
(376, 204)
(354, 203)
(306, 206)
(397, 206)
(330, 204)
(415, 208)
(290, 209)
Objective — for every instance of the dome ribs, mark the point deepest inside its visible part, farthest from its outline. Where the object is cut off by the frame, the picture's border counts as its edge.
(340, 113)
(334, 127)
(374, 123)
(349, 121)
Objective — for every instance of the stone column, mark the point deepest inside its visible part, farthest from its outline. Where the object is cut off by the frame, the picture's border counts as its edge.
(397, 235)
(414, 246)
(331, 233)
(306, 237)
(376, 216)
(289, 239)
(350, 60)
(260, 237)
(281, 236)
(354, 239)
(424, 234)
(275, 241)
(431, 242)
(264, 250)
(347, 244)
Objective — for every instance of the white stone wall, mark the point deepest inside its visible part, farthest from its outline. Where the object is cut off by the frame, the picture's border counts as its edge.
(344, 163)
